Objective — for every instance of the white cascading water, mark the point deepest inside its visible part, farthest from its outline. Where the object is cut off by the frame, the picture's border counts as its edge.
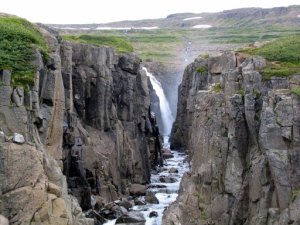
(165, 110)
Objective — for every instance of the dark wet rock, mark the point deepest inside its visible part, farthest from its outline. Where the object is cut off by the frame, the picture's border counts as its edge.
(131, 218)
(99, 219)
(167, 179)
(157, 186)
(139, 201)
(173, 170)
(151, 198)
(126, 204)
(168, 155)
(153, 214)
(130, 63)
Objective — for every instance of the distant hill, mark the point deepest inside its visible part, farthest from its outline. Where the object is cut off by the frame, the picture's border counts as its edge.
(245, 17)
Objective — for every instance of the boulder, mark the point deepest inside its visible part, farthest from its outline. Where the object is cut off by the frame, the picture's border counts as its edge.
(131, 217)
(126, 204)
(168, 155)
(151, 198)
(3, 220)
(54, 189)
(137, 189)
(139, 201)
(153, 214)
(173, 170)
(18, 138)
(165, 179)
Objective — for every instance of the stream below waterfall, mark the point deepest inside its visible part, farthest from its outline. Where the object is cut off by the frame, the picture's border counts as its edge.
(165, 180)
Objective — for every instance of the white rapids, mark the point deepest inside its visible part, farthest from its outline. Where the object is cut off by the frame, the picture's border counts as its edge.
(168, 194)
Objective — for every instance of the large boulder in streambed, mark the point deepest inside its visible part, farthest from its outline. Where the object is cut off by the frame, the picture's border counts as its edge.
(138, 189)
(134, 218)
(151, 198)
(167, 154)
(167, 179)
(173, 170)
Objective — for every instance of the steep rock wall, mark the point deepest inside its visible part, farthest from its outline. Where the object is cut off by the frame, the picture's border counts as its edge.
(242, 137)
(88, 130)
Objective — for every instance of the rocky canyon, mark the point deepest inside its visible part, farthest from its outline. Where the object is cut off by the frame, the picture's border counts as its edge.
(85, 126)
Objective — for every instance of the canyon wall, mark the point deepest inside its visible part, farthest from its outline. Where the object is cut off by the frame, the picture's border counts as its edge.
(83, 131)
(242, 136)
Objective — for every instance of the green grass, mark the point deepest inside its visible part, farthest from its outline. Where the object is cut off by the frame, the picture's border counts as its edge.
(203, 215)
(283, 55)
(119, 43)
(19, 40)
(217, 88)
(296, 91)
(201, 69)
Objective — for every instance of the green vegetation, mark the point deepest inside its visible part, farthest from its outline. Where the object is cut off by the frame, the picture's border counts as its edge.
(283, 56)
(240, 92)
(256, 93)
(205, 56)
(294, 194)
(201, 69)
(120, 44)
(203, 215)
(217, 87)
(296, 91)
(19, 40)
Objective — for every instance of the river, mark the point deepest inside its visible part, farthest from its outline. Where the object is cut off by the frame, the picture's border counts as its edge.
(172, 170)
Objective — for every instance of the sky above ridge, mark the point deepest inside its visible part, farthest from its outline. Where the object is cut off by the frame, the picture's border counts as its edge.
(102, 11)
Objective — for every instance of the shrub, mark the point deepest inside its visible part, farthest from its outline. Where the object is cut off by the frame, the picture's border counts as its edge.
(19, 40)
(217, 87)
(296, 91)
(201, 69)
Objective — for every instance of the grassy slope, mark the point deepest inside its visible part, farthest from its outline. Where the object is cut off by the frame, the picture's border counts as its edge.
(283, 55)
(121, 45)
(18, 41)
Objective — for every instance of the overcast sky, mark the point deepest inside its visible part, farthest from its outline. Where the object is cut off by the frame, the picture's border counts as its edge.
(100, 11)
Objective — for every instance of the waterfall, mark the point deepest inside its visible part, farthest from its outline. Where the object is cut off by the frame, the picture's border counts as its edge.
(165, 110)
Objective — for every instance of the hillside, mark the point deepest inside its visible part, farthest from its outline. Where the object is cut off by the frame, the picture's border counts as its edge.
(168, 45)
(175, 41)
(244, 17)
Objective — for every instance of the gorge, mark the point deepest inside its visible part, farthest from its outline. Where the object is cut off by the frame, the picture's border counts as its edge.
(88, 133)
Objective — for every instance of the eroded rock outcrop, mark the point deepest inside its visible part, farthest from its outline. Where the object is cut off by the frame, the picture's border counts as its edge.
(87, 129)
(242, 136)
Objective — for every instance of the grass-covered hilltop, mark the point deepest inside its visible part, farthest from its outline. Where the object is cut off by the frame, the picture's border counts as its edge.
(175, 41)
(119, 43)
(282, 55)
(19, 41)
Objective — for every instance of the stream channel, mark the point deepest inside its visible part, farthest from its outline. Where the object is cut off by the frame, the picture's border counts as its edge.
(164, 182)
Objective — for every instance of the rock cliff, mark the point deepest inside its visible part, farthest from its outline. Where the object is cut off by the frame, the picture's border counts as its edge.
(242, 135)
(83, 131)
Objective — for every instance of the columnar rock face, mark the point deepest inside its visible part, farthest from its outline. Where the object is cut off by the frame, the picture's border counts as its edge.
(86, 127)
(242, 134)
